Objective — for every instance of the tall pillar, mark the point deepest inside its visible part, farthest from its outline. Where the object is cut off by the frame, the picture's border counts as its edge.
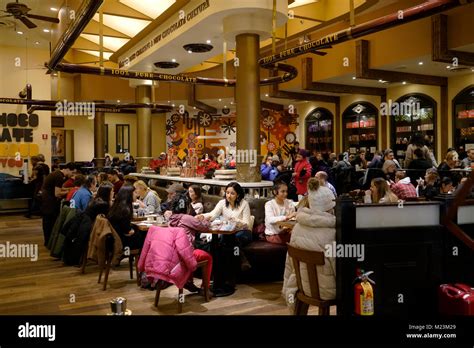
(247, 96)
(99, 139)
(143, 94)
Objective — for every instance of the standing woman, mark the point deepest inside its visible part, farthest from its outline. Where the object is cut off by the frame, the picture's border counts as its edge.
(120, 216)
(302, 172)
(147, 198)
(194, 192)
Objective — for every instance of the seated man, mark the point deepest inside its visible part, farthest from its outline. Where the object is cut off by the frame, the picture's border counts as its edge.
(403, 187)
(323, 181)
(173, 190)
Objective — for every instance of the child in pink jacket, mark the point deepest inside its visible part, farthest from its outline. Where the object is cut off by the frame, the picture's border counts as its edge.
(167, 255)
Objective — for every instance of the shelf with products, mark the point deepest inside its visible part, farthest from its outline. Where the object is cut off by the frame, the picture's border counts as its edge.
(360, 126)
(319, 131)
(421, 120)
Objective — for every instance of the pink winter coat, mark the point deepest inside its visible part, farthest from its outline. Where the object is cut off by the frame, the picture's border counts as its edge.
(167, 255)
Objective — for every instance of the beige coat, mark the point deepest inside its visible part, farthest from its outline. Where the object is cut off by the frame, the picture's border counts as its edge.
(101, 229)
(313, 231)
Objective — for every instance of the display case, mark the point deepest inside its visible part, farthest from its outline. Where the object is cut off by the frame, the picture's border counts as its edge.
(415, 113)
(319, 131)
(463, 118)
(360, 128)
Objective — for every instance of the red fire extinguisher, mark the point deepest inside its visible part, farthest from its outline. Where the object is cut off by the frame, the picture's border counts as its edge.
(363, 293)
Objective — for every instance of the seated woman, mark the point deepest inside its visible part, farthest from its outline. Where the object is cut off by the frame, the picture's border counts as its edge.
(234, 208)
(380, 192)
(194, 193)
(178, 217)
(120, 216)
(147, 198)
(446, 186)
(315, 228)
(277, 210)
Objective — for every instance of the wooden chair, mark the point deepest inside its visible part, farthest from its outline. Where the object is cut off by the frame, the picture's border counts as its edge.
(312, 259)
(160, 283)
(109, 246)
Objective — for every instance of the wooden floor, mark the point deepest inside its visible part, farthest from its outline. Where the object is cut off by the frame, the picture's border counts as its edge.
(48, 287)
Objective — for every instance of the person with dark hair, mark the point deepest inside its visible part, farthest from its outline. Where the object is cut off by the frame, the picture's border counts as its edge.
(102, 177)
(79, 180)
(115, 180)
(277, 210)
(121, 215)
(178, 217)
(302, 172)
(269, 170)
(51, 195)
(194, 193)
(402, 187)
(388, 155)
(446, 186)
(40, 171)
(467, 162)
(417, 141)
(234, 208)
(82, 197)
(129, 179)
(418, 165)
(115, 162)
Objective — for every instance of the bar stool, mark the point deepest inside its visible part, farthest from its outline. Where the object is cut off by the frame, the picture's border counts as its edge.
(203, 266)
(312, 259)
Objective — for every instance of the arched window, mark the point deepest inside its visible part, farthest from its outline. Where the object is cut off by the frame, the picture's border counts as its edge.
(360, 127)
(411, 114)
(318, 130)
(463, 118)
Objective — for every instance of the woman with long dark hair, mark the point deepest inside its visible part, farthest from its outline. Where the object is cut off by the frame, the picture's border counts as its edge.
(234, 208)
(120, 216)
(417, 141)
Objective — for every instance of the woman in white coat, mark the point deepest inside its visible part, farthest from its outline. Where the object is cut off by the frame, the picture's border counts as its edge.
(315, 229)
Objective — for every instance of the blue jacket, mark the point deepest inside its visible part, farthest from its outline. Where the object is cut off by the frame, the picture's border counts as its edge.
(81, 198)
(268, 173)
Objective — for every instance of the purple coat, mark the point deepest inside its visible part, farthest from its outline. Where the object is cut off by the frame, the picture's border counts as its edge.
(190, 224)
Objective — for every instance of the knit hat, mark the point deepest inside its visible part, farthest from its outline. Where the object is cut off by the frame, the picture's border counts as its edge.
(175, 188)
(322, 199)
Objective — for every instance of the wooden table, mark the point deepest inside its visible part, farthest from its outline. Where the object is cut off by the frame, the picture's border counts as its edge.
(287, 224)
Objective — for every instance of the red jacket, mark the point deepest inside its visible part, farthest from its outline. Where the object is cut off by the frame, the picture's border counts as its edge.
(167, 255)
(301, 181)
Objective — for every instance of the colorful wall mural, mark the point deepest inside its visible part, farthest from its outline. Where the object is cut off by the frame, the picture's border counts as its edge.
(209, 133)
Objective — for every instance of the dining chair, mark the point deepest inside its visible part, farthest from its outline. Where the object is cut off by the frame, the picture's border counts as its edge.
(312, 259)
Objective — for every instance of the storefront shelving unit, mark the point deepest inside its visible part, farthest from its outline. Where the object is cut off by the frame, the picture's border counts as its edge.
(360, 127)
(319, 130)
(463, 118)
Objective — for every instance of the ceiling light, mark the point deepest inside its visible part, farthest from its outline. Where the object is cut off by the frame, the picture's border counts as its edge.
(118, 100)
(420, 63)
(266, 95)
(53, 9)
(448, 67)
(404, 83)
(169, 101)
(19, 32)
(208, 41)
(220, 99)
(46, 30)
(37, 42)
(353, 77)
(380, 80)
(198, 47)
(126, 25)
(172, 105)
(297, 3)
(173, 60)
(151, 8)
(225, 106)
(231, 103)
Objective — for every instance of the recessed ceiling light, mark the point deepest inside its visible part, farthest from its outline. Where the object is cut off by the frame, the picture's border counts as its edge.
(46, 30)
(172, 105)
(380, 80)
(118, 100)
(225, 106)
(19, 32)
(173, 60)
(266, 95)
(420, 63)
(169, 101)
(208, 41)
(353, 77)
(194, 107)
(472, 69)
(448, 67)
(404, 83)
(220, 99)
(190, 51)
(37, 43)
(231, 103)
(53, 9)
